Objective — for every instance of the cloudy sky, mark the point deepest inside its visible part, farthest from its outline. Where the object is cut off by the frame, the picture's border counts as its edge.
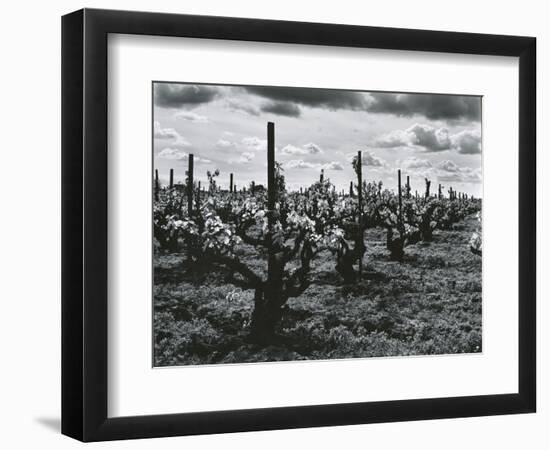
(225, 127)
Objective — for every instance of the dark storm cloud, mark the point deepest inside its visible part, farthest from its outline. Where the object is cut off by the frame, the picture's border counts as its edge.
(285, 101)
(431, 106)
(323, 98)
(281, 109)
(182, 95)
(237, 105)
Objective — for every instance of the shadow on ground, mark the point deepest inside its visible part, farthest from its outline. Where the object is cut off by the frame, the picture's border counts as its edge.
(52, 423)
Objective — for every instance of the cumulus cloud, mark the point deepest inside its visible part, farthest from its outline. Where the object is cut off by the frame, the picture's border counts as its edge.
(449, 171)
(254, 143)
(169, 133)
(163, 133)
(312, 148)
(393, 139)
(306, 149)
(334, 165)
(331, 99)
(301, 164)
(224, 143)
(431, 139)
(191, 117)
(467, 142)
(177, 154)
(442, 171)
(246, 157)
(431, 106)
(173, 153)
(448, 166)
(293, 150)
(368, 159)
(170, 95)
(281, 109)
(415, 163)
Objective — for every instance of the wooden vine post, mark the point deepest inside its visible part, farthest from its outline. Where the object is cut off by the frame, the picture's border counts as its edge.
(190, 186)
(171, 178)
(157, 185)
(198, 201)
(267, 305)
(360, 210)
(272, 292)
(189, 203)
(400, 211)
(230, 183)
(271, 195)
(408, 187)
(428, 183)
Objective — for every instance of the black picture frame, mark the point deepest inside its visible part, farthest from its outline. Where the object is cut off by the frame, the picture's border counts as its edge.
(84, 224)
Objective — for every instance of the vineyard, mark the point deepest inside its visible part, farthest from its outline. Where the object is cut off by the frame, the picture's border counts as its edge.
(262, 273)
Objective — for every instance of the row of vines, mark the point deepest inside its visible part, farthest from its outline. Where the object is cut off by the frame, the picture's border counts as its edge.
(288, 230)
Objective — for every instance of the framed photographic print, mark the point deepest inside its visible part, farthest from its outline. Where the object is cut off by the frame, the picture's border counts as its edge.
(266, 224)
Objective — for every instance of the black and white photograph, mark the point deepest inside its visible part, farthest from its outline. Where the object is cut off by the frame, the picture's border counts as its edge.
(314, 224)
(268, 225)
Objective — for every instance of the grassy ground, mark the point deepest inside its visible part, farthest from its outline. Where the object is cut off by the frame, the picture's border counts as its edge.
(429, 304)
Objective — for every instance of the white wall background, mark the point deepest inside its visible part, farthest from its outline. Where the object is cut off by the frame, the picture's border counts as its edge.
(30, 223)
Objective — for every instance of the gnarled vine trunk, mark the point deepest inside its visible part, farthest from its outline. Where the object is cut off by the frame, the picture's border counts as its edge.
(270, 297)
(395, 245)
(347, 257)
(268, 312)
